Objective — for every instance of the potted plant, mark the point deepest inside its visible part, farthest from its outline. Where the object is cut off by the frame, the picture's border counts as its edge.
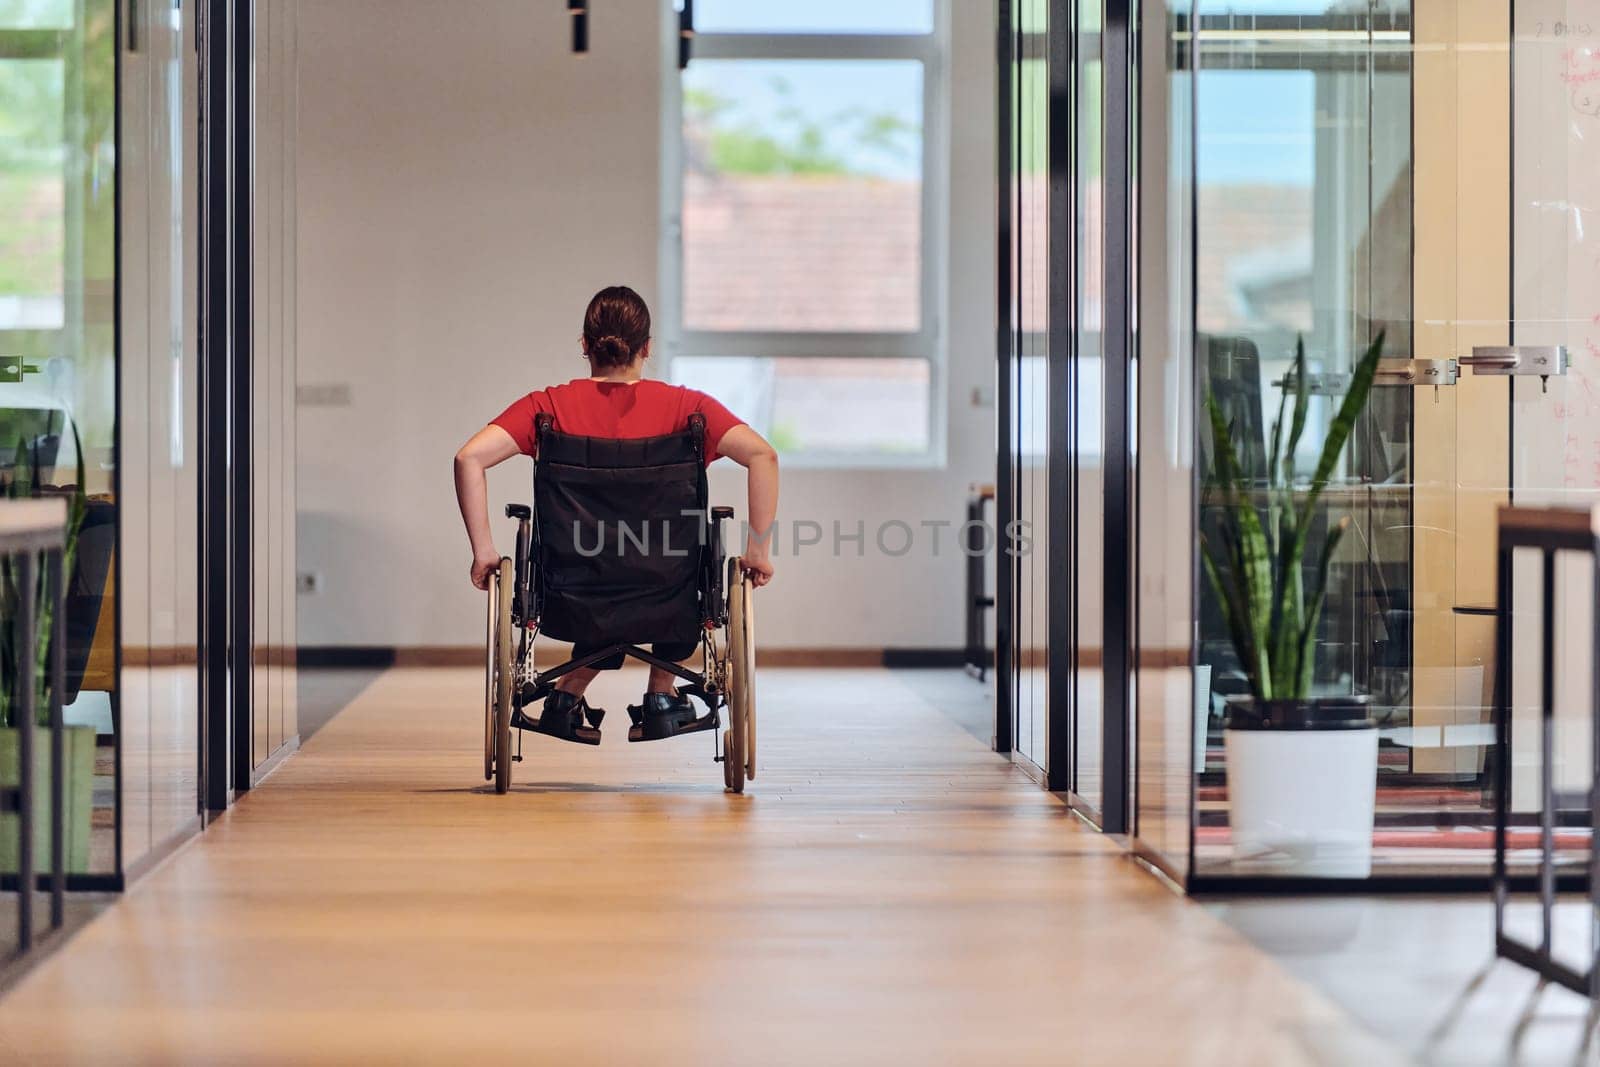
(1302, 769)
(79, 740)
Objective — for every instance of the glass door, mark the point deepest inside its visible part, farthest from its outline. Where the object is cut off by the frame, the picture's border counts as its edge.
(1427, 172)
(1308, 228)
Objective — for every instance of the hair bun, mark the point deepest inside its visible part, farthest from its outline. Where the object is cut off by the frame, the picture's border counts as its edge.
(616, 327)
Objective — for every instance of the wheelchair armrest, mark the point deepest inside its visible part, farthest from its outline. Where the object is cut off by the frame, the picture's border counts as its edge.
(518, 511)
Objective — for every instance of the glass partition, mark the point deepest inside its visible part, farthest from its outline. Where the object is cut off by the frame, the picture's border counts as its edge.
(1303, 178)
(1088, 411)
(58, 371)
(1059, 423)
(159, 440)
(274, 712)
(1555, 421)
(1165, 680)
(1028, 367)
(1419, 172)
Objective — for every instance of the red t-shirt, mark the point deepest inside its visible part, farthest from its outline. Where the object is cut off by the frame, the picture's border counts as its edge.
(586, 408)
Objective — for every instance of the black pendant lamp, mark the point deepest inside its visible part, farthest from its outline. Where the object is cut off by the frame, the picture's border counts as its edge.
(685, 32)
(579, 10)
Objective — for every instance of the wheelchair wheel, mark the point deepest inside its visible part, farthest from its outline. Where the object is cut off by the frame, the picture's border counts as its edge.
(732, 773)
(739, 754)
(491, 646)
(503, 677)
(750, 681)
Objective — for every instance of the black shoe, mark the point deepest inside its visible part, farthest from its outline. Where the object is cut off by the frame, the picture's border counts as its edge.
(664, 715)
(566, 717)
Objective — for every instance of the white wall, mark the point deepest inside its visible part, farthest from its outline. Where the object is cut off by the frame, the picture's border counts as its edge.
(465, 185)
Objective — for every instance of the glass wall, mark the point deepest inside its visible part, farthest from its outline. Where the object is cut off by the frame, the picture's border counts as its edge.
(1087, 386)
(58, 372)
(159, 579)
(1028, 368)
(1164, 434)
(1315, 177)
(1304, 193)
(274, 706)
(100, 400)
(1059, 410)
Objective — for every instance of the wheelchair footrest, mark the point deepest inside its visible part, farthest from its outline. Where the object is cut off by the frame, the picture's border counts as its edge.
(654, 729)
(582, 735)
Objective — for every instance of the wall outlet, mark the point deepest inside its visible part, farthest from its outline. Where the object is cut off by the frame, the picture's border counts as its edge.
(308, 582)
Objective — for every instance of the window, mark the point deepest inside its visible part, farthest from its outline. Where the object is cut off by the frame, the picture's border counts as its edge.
(814, 16)
(799, 268)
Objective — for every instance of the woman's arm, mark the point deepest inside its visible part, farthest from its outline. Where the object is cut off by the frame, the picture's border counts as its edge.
(750, 450)
(488, 447)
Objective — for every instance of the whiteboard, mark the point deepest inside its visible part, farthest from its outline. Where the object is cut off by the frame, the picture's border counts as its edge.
(1556, 247)
(1555, 454)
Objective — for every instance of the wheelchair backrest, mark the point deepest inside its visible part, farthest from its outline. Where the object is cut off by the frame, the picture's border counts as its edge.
(619, 535)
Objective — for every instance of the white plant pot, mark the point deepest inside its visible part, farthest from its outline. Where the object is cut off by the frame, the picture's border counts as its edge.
(1300, 801)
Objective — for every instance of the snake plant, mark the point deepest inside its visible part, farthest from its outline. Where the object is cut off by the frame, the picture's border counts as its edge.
(1255, 563)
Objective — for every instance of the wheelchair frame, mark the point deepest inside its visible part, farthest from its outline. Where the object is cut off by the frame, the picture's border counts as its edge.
(513, 682)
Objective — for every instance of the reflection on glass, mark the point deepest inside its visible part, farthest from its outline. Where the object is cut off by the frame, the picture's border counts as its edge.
(802, 196)
(1555, 438)
(822, 406)
(1303, 146)
(36, 14)
(57, 389)
(32, 196)
(1325, 214)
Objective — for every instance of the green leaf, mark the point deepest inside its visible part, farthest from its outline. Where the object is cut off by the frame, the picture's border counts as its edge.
(1302, 408)
(1292, 592)
(1344, 423)
(1307, 652)
(1277, 436)
(1232, 614)
(1254, 563)
(1260, 580)
(1287, 610)
(1274, 504)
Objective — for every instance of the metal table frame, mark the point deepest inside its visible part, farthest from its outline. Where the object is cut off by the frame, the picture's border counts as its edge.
(1550, 531)
(31, 532)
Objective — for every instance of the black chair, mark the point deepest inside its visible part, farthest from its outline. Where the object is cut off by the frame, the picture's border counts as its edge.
(620, 548)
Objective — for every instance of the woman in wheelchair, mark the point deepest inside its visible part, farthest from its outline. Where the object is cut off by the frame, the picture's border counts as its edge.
(618, 464)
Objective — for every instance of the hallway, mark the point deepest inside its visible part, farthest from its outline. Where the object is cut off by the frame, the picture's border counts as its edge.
(888, 891)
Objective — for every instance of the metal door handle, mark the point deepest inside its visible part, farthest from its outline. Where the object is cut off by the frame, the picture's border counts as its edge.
(12, 368)
(1401, 371)
(1543, 360)
(1492, 357)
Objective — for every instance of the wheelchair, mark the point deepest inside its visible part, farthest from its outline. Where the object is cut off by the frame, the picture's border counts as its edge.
(621, 547)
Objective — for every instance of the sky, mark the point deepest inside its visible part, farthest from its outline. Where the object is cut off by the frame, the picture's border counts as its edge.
(821, 90)
(1257, 126)
(832, 16)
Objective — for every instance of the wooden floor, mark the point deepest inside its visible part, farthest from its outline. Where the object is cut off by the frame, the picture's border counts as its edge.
(888, 892)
